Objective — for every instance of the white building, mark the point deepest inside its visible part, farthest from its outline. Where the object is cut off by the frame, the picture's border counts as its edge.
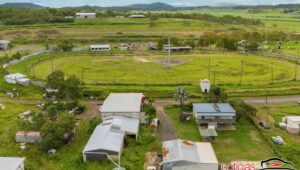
(205, 85)
(85, 15)
(137, 16)
(123, 104)
(107, 140)
(100, 48)
(187, 155)
(17, 78)
(4, 44)
(292, 124)
(10, 163)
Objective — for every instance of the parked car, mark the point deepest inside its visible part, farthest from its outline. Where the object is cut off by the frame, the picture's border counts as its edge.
(264, 124)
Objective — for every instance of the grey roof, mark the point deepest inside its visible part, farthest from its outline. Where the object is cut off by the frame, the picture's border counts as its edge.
(122, 103)
(104, 138)
(183, 150)
(128, 125)
(100, 46)
(10, 163)
(213, 109)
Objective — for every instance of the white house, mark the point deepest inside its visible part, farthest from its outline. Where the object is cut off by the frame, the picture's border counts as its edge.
(187, 155)
(123, 104)
(137, 16)
(292, 124)
(17, 78)
(100, 48)
(11, 163)
(107, 139)
(205, 85)
(85, 15)
(4, 44)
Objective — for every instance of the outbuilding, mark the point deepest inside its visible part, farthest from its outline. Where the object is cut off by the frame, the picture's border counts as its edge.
(205, 85)
(137, 16)
(28, 137)
(4, 44)
(100, 48)
(12, 163)
(17, 78)
(124, 105)
(183, 154)
(85, 15)
(168, 48)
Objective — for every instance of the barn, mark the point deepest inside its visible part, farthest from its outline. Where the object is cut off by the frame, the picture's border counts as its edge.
(85, 15)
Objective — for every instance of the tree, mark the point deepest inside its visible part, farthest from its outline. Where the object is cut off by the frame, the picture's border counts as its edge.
(150, 112)
(52, 112)
(71, 88)
(56, 79)
(215, 95)
(153, 19)
(66, 45)
(93, 124)
(52, 133)
(228, 43)
(242, 109)
(251, 46)
(181, 94)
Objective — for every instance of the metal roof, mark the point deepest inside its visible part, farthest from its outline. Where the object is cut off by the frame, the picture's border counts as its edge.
(4, 41)
(100, 46)
(213, 109)
(183, 150)
(130, 125)
(122, 103)
(15, 76)
(85, 13)
(10, 163)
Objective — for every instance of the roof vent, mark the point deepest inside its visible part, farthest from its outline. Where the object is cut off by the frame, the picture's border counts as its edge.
(216, 107)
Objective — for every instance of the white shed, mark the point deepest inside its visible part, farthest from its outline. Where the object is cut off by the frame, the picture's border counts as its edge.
(182, 154)
(17, 78)
(205, 85)
(11, 163)
(4, 44)
(123, 104)
(100, 47)
(85, 15)
(137, 16)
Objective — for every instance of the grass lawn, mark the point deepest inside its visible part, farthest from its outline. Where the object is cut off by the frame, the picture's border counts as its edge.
(69, 157)
(229, 145)
(291, 150)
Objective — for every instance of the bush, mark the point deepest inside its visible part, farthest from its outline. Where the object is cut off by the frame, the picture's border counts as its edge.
(93, 124)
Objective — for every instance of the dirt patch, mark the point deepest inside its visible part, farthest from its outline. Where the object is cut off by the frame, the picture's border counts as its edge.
(172, 62)
(50, 32)
(254, 136)
(18, 32)
(92, 110)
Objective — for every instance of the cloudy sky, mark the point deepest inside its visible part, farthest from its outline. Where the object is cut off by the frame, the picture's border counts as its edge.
(62, 3)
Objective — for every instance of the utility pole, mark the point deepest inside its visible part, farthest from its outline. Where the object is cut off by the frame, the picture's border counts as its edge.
(272, 73)
(52, 65)
(296, 66)
(209, 68)
(242, 71)
(169, 51)
(214, 78)
(82, 73)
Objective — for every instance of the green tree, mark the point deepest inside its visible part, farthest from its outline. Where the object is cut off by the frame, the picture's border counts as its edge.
(71, 88)
(56, 79)
(52, 112)
(52, 133)
(93, 124)
(150, 112)
(216, 95)
(66, 45)
(181, 94)
(153, 19)
(228, 43)
(252, 46)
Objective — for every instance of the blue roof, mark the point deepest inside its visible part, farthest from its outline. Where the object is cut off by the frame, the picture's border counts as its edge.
(213, 109)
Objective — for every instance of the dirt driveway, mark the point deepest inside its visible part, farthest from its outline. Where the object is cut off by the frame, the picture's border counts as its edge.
(92, 110)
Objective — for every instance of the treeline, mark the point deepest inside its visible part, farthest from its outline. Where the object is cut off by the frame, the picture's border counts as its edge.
(10, 16)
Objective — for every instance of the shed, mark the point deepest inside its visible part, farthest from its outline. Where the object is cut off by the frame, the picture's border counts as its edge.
(205, 85)
(100, 47)
(176, 49)
(17, 78)
(137, 16)
(123, 104)
(12, 163)
(85, 15)
(104, 144)
(28, 137)
(4, 44)
(182, 154)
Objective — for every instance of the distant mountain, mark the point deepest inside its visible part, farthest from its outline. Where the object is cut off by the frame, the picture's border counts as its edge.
(153, 6)
(21, 5)
(226, 4)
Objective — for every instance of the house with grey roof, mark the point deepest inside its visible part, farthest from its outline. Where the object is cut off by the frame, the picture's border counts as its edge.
(218, 114)
(107, 140)
(187, 155)
(11, 163)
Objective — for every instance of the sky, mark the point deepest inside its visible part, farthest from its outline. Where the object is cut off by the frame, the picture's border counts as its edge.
(106, 3)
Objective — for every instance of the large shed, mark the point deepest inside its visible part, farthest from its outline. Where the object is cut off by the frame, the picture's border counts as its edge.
(123, 104)
(104, 47)
(11, 163)
(85, 15)
(182, 154)
(17, 78)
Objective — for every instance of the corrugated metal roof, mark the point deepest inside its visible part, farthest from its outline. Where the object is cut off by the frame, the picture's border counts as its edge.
(100, 46)
(213, 109)
(15, 76)
(183, 150)
(10, 163)
(122, 103)
(126, 124)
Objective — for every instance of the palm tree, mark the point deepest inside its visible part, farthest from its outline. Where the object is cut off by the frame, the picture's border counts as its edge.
(181, 94)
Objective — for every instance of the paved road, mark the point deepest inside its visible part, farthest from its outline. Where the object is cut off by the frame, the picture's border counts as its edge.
(272, 100)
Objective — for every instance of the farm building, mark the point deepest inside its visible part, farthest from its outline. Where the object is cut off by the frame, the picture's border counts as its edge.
(123, 104)
(291, 123)
(205, 85)
(182, 154)
(17, 78)
(218, 114)
(4, 44)
(85, 15)
(12, 163)
(100, 47)
(137, 16)
(28, 137)
(177, 49)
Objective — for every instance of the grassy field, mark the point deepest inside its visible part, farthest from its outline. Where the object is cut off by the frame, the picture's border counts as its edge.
(225, 68)
(69, 157)
(291, 150)
(229, 145)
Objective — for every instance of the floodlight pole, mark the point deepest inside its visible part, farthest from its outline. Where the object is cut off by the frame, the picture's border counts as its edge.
(296, 65)
(242, 71)
(208, 68)
(169, 51)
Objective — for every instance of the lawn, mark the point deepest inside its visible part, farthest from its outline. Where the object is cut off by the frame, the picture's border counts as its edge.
(225, 68)
(229, 145)
(69, 157)
(291, 150)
